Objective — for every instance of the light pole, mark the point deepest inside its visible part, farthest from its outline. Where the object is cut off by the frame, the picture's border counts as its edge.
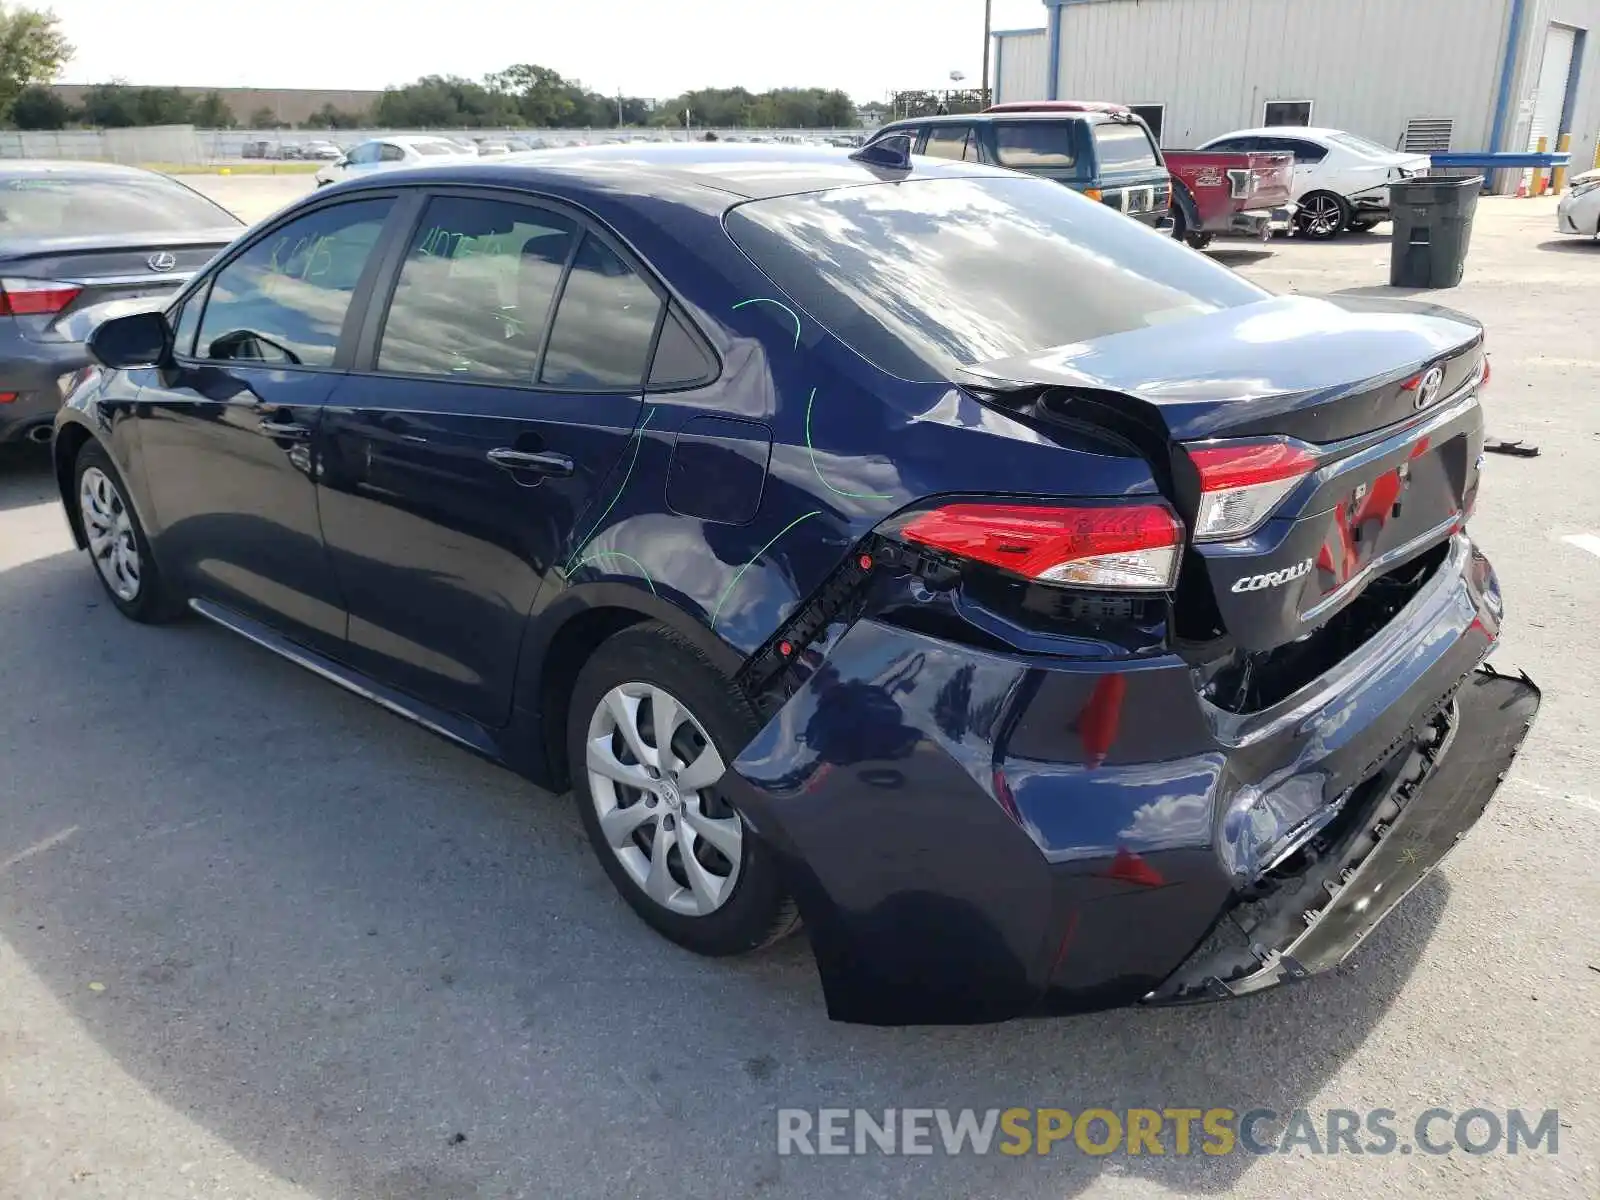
(988, 16)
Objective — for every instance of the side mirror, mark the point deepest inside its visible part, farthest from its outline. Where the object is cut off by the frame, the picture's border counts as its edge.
(137, 340)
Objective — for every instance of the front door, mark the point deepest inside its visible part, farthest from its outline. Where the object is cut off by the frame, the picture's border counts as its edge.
(227, 434)
(496, 393)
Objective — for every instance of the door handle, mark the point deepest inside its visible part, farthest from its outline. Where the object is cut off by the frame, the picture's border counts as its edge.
(283, 429)
(545, 462)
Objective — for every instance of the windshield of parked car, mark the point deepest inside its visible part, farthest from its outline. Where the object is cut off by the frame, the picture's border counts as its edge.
(1123, 146)
(924, 277)
(1360, 145)
(68, 205)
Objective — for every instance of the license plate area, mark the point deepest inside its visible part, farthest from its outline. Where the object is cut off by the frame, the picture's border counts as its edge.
(1138, 200)
(1383, 514)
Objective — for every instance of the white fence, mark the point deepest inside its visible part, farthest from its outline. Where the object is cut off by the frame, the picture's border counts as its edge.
(185, 145)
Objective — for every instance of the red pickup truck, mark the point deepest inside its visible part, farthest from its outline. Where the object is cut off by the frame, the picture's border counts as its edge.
(1213, 192)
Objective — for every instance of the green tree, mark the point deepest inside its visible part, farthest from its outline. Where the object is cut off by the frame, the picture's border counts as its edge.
(39, 107)
(329, 117)
(32, 51)
(211, 111)
(264, 118)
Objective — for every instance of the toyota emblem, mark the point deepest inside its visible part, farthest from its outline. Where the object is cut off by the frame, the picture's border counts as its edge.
(163, 260)
(1432, 384)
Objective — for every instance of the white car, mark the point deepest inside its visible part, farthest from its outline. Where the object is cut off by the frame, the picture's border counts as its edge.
(387, 154)
(1341, 181)
(1579, 212)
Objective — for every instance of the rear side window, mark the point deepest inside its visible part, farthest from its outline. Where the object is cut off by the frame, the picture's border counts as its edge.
(282, 302)
(68, 205)
(474, 295)
(1032, 145)
(680, 361)
(388, 153)
(949, 141)
(927, 276)
(1123, 146)
(604, 326)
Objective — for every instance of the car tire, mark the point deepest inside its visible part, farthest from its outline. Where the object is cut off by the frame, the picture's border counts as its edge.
(118, 546)
(1362, 226)
(732, 900)
(1322, 216)
(1194, 238)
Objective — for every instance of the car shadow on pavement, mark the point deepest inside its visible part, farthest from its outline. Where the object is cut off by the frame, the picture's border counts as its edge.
(382, 968)
(1391, 293)
(26, 477)
(1237, 256)
(1570, 245)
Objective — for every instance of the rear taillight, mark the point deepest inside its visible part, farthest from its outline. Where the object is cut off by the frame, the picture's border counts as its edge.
(35, 297)
(1241, 483)
(1126, 547)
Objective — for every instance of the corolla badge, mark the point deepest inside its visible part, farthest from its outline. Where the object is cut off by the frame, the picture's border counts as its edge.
(162, 260)
(1273, 579)
(1430, 387)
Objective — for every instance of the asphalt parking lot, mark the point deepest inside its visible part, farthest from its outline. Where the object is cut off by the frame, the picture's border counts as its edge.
(261, 939)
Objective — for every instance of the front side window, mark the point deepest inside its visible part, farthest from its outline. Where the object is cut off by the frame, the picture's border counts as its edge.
(282, 302)
(604, 325)
(1036, 145)
(927, 276)
(1124, 146)
(474, 296)
(185, 323)
(948, 141)
(363, 154)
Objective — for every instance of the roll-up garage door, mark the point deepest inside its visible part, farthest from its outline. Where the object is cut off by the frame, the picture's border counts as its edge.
(1551, 98)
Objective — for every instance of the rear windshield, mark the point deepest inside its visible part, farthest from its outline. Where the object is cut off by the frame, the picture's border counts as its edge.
(1036, 145)
(77, 206)
(1361, 145)
(1122, 146)
(435, 148)
(924, 277)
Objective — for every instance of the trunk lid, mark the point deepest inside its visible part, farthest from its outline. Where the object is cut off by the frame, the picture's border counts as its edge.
(1380, 394)
(106, 270)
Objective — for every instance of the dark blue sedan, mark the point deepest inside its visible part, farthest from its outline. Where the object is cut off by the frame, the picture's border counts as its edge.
(1044, 615)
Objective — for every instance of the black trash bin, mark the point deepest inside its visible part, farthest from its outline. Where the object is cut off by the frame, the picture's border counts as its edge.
(1432, 230)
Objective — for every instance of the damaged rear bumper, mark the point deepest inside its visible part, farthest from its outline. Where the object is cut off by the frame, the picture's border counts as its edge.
(974, 836)
(1426, 805)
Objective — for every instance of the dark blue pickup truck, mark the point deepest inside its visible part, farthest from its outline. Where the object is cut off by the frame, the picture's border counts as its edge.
(1105, 155)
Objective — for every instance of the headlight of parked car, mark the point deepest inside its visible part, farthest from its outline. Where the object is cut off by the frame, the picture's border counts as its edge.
(1584, 186)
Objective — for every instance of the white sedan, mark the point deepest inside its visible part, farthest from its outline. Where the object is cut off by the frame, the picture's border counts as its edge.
(385, 154)
(1579, 212)
(1341, 181)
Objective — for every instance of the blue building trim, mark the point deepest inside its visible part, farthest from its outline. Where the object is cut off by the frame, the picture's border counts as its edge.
(1508, 71)
(1053, 83)
(1052, 80)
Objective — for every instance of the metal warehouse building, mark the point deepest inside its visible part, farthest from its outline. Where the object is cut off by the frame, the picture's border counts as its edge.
(1428, 75)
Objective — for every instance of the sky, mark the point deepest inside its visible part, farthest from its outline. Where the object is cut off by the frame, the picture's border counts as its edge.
(866, 47)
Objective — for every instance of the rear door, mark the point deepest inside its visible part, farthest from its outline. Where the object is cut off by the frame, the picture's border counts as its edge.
(226, 435)
(499, 383)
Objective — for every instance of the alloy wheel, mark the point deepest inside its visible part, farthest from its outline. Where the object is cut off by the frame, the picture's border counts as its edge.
(652, 771)
(1322, 216)
(109, 528)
